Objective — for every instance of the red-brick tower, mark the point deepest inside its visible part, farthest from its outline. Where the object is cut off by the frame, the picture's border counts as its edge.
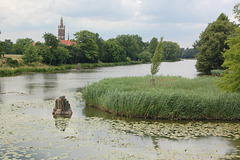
(61, 30)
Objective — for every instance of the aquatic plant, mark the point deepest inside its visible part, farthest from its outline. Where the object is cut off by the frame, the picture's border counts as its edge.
(170, 98)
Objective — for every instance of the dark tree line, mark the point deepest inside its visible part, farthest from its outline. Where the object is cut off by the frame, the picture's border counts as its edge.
(90, 48)
(188, 53)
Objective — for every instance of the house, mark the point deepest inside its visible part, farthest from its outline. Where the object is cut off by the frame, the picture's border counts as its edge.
(67, 42)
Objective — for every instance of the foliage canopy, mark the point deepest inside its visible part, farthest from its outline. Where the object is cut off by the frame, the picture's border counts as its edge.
(231, 78)
(212, 43)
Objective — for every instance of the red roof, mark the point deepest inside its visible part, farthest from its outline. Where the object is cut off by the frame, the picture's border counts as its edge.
(67, 42)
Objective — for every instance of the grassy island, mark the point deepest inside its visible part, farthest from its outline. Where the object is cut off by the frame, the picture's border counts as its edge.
(170, 98)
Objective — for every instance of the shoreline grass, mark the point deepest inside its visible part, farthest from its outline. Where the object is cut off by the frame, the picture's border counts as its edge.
(39, 67)
(171, 98)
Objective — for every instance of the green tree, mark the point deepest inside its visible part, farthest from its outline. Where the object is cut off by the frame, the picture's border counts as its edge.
(21, 45)
(145, 56)
(231, 78)
(1, 49)
(31, 55)
(100, 43)
(153, 45)
(50, 49)
(171, 51)
(140, 43)
(129, 44)
(76, 55)
(50, 40)
(188, 53)
(62, 55)
(8, 46)
(212, 43)
(88, 46)
(113, 52)
(157, 59)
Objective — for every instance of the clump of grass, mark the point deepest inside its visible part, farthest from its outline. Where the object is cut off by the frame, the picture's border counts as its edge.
(170, 98)
(217, 72)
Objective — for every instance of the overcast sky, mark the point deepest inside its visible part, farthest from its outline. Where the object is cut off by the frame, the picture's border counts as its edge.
(179, 21)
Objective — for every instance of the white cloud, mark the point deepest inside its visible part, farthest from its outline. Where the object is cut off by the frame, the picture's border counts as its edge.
(181, 21)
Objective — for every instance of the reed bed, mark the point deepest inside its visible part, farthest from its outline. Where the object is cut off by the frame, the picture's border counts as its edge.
(217, 72)
(170, 98)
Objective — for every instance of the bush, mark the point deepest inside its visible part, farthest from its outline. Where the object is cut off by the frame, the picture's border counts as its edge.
(12, 63)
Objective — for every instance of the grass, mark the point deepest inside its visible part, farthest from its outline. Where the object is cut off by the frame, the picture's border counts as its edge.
(170, 98)
(217, 72)
(6, 70)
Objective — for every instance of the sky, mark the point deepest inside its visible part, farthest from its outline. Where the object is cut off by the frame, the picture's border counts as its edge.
(180, 21)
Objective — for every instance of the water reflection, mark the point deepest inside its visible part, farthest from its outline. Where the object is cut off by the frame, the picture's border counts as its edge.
(61, 122)
(1, 89)
(50, 85)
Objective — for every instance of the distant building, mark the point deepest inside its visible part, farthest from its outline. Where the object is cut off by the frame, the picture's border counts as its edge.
(61, 35)
(61, 30)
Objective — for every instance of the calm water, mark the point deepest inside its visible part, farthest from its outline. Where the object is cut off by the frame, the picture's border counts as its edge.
(41, 86)
(28, 130)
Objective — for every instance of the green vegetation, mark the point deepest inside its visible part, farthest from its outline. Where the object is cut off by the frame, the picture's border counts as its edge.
(153, 45)
(30, 55)
(9, 69)
(12, 63)
(188, 53)
(145, 56)
(171, 51)
(89, 48)
(157, 58)
(230, 81)
(212, 43)
(217, 72)
(231, 78)
(170, 98)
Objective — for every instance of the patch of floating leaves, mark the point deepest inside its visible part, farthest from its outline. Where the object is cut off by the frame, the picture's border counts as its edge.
(180, 131)
(28, 131)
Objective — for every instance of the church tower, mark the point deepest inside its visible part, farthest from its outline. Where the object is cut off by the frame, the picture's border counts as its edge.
(61, 30)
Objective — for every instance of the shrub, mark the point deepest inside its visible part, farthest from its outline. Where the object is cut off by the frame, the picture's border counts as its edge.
(12, 63)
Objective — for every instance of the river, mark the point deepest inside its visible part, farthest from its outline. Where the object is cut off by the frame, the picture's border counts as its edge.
(28, 130)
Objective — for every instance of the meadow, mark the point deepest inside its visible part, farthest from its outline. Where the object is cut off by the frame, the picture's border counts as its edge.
(173, 98)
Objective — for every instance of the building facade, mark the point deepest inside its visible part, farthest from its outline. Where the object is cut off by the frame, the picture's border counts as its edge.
(61, 30)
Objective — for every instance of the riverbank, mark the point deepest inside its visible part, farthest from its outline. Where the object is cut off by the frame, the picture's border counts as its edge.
(171, 98)
(40, 67)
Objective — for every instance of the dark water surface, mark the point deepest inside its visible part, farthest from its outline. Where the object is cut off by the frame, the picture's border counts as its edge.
(28, 130)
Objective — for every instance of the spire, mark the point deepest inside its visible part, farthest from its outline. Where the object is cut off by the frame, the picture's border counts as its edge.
(61, 30)
(61, 22)
(68, 35)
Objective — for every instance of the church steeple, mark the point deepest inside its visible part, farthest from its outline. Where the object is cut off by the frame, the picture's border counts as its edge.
(61, 30)
(68, 35)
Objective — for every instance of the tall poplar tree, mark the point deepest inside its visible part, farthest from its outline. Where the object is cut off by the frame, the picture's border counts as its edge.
(157, 59)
